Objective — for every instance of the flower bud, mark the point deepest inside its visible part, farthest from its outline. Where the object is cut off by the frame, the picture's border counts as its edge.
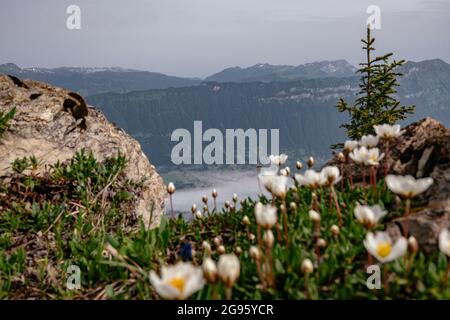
(413, 245)
(321, 243)
(254, 253)
(206, 246)
(284, 172)
(209, 270)
(268, 238)
(251, 237)
(199, 215)
(314, 216)
(228, 269)
(310, 162)
(246, 220)
(227, 204)
(217, 241)
(215, 193)
(299, 165)
(171, 188)
(335, 230)
(221, 249)
(307, 266)
(205, 199)
(293, 206)
(235, 197)
(341, 157)
(194, 208)
(238, 251)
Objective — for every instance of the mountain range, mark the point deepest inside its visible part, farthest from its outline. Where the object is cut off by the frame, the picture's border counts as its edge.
(298, 100)
(89, 81)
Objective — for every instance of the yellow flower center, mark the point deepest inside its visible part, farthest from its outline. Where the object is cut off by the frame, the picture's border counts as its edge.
(178, 283)
(384, 249)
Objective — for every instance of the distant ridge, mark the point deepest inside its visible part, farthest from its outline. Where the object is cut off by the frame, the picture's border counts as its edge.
(267, 73)
(89, 81)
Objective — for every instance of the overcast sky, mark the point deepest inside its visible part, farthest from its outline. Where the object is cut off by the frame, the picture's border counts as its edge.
(199, 37)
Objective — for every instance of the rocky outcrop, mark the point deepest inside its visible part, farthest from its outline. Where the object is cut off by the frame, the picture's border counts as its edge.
(53, 124)
(422, 150)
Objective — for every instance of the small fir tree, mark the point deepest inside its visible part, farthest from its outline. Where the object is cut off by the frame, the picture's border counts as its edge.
(376, 103)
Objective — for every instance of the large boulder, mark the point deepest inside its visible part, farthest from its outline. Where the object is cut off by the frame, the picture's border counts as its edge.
(53, 124)
(423, 150)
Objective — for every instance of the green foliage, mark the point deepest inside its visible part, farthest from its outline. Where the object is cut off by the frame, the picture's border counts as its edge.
(5, 118)
(64, 218)
(377, 103)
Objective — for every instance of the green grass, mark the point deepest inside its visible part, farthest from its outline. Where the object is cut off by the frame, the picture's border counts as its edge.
(68, 215)
(5, 118)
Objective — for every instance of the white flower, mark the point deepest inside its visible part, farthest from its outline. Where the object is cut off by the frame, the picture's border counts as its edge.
(278, 186)
(178, 281)
(265, 177)
(359, 155)
(374, 157)
(369, 216)
(266, 215)
(381, 247)
(310, 179)
(444, 242)
(278, 160)
(349, 145)
(369, 141)
(330, 175)
(408, 186)
(274, 183)
(228, 268)
(387, 132)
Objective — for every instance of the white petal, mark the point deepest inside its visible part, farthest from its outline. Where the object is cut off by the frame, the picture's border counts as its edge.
(398, 250)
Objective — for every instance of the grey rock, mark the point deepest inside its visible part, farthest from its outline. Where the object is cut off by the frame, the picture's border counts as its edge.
(50, 129)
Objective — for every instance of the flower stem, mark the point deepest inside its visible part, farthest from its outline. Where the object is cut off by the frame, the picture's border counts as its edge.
(447, 272)
(259, 238)
(271, 277)
(369, 259)
(318, 254)
(260, 273)
(285, 226)
(386, 160)
(171, 207)
(406, 217)
(307, 294)
(228, 293)
(386, 280)
(338, 209)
